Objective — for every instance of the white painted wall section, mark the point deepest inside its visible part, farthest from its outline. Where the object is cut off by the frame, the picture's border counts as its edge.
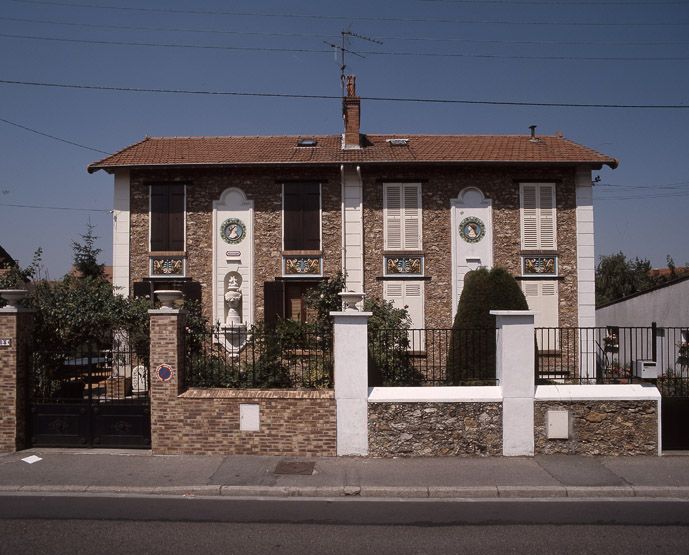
(515, 372)
(351, 381)
(586, 259)
(120, 233)
(449, 394)
(353, 230)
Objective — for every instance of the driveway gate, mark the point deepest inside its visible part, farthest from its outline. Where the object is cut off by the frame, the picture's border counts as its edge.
(672, 358)
(91, 398)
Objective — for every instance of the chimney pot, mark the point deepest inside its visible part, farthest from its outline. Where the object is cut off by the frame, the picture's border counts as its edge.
(351, 109)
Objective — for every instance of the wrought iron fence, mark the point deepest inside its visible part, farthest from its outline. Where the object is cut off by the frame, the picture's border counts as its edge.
(609, 354)
(259, 358)
(118, 374)
(431, 357)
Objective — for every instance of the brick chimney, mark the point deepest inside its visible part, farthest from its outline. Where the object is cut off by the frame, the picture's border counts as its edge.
(351, 111)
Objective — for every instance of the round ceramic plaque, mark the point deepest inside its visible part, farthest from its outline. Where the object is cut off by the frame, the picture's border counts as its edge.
(472, 229)
(233, 231)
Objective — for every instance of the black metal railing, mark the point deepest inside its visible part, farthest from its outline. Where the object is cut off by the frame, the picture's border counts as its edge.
(88, 373)
(431, 357)
(607, 354)
(259, 358)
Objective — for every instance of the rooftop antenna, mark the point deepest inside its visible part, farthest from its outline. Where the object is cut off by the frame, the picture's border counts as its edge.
(342, 48)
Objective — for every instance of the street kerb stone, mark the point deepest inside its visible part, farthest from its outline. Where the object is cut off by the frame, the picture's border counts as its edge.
(532, 491)
(462, 492)
(600, 491)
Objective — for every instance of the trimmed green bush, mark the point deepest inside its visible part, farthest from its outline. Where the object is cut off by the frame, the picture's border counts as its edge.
(471, 353)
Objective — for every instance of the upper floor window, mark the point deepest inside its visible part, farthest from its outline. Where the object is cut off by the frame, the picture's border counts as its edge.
(302, 216)
(538, 219)
(402, 216)
(167, 217)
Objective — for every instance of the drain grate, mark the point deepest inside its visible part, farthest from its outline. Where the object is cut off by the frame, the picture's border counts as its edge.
(295, 467)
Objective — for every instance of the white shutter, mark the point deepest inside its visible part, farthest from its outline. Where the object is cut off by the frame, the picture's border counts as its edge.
(412, 216)
(538, 216)
(392, 208)
(542, 298)
(409, 295)
(529, 217)
(546, 224)
(402, 216)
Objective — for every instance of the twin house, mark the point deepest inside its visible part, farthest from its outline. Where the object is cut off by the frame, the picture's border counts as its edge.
(405, 216)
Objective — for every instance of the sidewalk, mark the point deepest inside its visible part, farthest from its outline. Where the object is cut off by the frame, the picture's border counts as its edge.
(140, 473)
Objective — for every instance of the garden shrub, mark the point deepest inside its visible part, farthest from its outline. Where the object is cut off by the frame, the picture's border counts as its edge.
(471, 353)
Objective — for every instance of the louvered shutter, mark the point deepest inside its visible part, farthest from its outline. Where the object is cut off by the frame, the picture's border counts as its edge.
(159, 218)
(409, 295)
(529, 217)
(176, 218)
(393, 216)
(292, 217)
(413, 299)
(542, 298)
(412, 217)
(311, 216)
(546, 216)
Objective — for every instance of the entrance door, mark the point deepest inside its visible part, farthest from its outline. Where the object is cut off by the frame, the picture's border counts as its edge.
(472, 237)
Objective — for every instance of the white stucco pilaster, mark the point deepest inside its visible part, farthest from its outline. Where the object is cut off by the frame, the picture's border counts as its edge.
(516, 375)
(352, 228)
(351, 381)
(120, 233)
(586, 261)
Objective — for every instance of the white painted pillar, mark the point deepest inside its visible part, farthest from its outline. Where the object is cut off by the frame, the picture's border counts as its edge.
(515, 363)
(351, 381)
(121, 233)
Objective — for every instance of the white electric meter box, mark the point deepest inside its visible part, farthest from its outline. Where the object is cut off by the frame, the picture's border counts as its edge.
(645, 369)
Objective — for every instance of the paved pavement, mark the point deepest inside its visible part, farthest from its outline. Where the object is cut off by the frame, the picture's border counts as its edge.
(140, 473)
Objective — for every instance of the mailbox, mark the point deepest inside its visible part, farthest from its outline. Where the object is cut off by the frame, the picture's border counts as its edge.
(645, 369)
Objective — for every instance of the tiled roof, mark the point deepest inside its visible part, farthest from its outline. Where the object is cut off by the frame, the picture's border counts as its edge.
(283, 150)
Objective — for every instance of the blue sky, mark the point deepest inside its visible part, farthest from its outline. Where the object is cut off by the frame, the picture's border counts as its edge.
(568, 51)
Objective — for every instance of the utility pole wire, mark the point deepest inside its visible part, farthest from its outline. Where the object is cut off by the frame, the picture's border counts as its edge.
(333, 97)
(67, 141)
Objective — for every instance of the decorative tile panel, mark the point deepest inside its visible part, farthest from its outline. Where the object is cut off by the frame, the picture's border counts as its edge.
(403, 265)
(539, 265)
(167, 266)
(303, 265)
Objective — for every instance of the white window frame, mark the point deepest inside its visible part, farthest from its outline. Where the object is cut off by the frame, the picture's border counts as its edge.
(402, 185)
(539, 215)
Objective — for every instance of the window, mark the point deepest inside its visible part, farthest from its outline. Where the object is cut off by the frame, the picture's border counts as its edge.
(409, 295)
(167, 217)
(302, 216)
(402, 216)
(286, 299)
(538, 221)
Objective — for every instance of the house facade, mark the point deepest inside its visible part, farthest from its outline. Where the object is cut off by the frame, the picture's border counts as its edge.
(404, 216)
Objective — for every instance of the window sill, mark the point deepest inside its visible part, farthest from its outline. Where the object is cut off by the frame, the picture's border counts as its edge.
(403, 277)
(302, 253)
(167, 253)
(403, 252)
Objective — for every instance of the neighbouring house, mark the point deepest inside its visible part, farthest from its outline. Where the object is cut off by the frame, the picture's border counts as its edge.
(6, 261)
(406, 216)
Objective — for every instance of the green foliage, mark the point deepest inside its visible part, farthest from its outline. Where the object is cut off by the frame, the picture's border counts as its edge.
(471, 355)
(18, 277)
(86, 255)
(617, 277)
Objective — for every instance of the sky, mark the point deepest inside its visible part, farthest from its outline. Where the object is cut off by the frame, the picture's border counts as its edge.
(535, 51)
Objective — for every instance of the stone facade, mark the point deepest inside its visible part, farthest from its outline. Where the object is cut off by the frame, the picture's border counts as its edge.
(264, 188)
(434, 429)
(608, 428)
(501, 186)
(15, 326)
(206, 421)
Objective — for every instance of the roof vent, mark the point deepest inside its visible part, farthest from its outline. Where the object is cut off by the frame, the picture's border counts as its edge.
(533, 138)
(398, 142)
(307, 142)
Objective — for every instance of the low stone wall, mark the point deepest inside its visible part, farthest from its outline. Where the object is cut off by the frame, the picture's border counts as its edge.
(600, 427)
(434, 429)
(206, 421)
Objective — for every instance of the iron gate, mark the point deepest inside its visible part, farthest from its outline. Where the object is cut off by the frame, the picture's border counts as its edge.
(89, 398)
(672, 358)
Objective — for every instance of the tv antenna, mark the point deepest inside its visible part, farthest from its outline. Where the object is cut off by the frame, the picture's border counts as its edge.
(343, 48)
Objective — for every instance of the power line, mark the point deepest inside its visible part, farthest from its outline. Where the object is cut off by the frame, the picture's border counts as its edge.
(355, 18)
(8, 122)
(70, 208)
(331, 35)
(333, 97)
(677, 185)
(643, 197)
(563, 3)
(367, 52)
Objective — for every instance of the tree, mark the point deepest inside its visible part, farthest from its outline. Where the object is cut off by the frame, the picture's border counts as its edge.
(86, 255)
(471, 354)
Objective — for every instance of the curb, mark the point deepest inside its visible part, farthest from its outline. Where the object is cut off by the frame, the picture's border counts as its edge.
(390, 492)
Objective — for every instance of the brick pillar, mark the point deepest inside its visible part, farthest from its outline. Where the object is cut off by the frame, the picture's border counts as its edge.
(167, 349)
(515, 370)
(351, 381)
(16, 325)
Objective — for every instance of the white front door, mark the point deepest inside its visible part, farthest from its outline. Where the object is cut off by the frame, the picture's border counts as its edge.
(472, 237)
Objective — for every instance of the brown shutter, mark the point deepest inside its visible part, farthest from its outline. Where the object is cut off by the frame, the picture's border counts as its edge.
(311, 221)
(176, 218)
(273, 302)
(292, 216)
(159, 218)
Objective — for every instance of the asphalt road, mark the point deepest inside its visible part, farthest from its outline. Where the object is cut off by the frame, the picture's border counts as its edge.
(39, 524)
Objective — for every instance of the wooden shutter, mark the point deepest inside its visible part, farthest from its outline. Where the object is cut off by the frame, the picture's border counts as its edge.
(167, 217)
(413, 299)
(412, 216)
(546, 215)
(538, 216)
(273, 302)
(302, 221)
(529, 217)
(393, 216)
(542, 298)
(409, 295)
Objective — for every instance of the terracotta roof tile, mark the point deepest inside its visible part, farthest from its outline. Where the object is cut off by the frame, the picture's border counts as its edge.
(229, 151)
